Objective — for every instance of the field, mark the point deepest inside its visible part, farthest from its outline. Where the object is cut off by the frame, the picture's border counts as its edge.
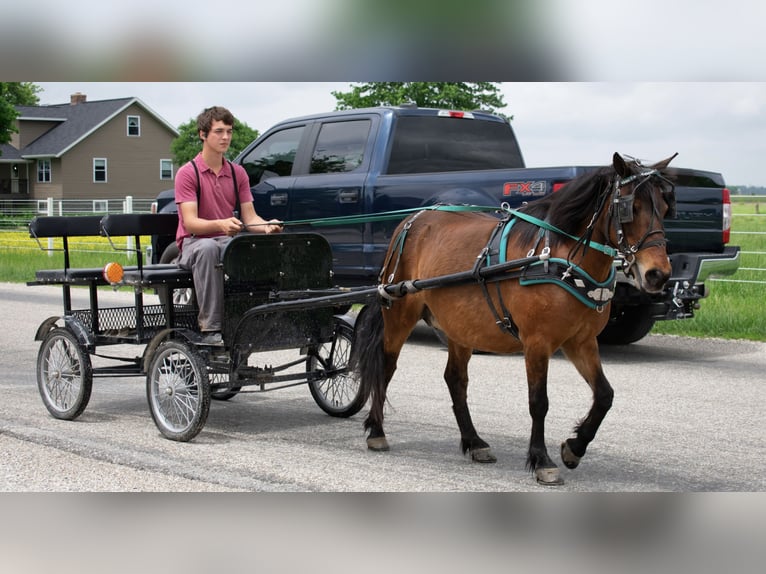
(22, 256)
(734, 309)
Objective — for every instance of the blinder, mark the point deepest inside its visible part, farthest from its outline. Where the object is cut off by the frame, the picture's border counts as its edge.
(624, 205)
(669, 195)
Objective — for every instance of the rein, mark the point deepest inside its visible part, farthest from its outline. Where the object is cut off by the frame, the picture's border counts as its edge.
(382, 216)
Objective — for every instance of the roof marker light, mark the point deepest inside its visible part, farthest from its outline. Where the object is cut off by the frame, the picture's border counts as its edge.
(455, 114)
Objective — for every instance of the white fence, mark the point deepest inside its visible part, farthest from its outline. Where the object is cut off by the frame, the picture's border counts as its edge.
(16, 213)
(759, 271)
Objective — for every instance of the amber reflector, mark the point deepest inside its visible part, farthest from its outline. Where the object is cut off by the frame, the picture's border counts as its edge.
(113, 272)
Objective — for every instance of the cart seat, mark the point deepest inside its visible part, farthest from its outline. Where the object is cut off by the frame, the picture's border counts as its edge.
(159, 274)
(65, 226)
(72, 276)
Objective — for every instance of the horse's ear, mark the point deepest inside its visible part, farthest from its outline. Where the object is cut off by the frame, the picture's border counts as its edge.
(620, 166)
(660, 165)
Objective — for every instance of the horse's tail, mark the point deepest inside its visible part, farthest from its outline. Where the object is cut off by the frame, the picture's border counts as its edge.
(368, 360)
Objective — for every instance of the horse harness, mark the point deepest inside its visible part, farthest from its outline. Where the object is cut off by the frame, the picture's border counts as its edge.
(552, 270)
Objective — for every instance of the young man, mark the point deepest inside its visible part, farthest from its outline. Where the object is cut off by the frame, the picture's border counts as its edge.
(208, 197)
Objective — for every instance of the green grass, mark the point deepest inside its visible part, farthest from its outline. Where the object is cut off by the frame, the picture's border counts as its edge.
(734, 309)
(21, 256)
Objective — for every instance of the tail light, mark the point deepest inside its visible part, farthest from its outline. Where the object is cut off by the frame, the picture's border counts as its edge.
(726, 215)
(558, 185)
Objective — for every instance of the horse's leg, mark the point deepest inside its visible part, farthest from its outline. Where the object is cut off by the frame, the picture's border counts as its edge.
(380, 359)
(546, 471)
(456, 376)
(376, 439)
(586, 359)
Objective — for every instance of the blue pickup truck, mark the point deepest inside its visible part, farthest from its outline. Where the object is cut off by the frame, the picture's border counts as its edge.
(365, 161)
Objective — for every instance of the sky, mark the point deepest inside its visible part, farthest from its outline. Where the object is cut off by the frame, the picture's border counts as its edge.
(715, 126)
(582, 79)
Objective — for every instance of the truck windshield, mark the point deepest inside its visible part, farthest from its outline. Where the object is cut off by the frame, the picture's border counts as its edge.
(424, 144)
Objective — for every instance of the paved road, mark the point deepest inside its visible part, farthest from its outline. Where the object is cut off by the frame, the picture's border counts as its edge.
(687, 416)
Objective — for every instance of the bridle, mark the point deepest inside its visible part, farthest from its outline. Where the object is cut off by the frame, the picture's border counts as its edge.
(620, 211)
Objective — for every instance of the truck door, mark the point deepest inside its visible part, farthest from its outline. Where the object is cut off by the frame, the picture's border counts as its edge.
(269, 164)
(332, 183)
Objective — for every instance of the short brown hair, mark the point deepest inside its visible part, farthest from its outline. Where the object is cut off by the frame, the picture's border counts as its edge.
(215, 113)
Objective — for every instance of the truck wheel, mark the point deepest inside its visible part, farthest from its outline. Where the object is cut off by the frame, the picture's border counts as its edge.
(178, 390)
(64, 374)
(630, 324)
(183, 296)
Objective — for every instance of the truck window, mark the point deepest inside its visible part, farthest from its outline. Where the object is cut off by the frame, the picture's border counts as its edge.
(423, 144)
(274, 156)
(340, 146)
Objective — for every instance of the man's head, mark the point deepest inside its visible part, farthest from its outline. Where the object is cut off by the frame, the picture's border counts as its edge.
(210, 115)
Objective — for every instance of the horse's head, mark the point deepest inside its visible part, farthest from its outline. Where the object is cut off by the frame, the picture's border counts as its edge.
(641, 197)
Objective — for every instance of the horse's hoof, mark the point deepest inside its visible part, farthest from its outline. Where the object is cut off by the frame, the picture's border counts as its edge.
(570, 459)
(483, 455)
(379, 444)
(548, 476)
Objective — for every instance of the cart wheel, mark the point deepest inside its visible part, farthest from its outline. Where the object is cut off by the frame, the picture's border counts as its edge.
(64, 374)
(222, 394)
(338, 394)
(178, 390)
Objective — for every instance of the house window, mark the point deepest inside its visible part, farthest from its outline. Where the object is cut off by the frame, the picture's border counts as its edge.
(99, 170)
(43, 171)
(166, 169)
(134, 125)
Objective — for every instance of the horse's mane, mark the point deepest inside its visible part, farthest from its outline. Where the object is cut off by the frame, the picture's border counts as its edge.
(570, 209)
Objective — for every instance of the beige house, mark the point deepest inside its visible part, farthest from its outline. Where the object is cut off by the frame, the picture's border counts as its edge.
(83, 150)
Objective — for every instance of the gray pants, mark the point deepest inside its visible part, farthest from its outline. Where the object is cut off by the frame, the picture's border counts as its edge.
(203, 256)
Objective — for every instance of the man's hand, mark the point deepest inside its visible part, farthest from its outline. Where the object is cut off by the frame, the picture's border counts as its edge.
(231, 226)
(273, 226)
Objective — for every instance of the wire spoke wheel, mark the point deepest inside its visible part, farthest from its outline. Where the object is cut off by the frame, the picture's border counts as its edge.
(222, 394)
(178, 391)
(64, 374)
(335, 390)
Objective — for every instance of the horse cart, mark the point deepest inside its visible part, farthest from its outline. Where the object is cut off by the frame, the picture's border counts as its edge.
(278, 295)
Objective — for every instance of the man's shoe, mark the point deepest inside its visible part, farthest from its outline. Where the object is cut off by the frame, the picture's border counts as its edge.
(211, 338)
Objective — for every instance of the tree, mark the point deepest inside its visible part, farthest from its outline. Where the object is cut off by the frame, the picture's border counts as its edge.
(14, 94)
(187, 145)
(451, 95)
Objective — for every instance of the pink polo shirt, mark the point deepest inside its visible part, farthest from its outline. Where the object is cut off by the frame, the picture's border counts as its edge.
(217, 198)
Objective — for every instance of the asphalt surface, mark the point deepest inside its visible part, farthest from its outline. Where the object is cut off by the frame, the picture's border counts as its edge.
(687, 417)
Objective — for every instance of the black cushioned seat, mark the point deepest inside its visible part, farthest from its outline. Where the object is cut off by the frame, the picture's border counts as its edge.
(159, 274)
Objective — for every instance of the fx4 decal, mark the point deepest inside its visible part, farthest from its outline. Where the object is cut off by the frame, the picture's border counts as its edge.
(524, 188)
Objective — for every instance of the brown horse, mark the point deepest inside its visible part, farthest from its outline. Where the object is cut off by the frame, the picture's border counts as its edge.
(560, 301)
